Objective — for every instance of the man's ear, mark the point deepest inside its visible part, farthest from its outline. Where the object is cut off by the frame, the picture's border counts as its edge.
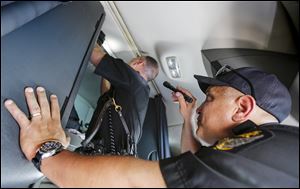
(140, 60)
(134, 62)
(246, 104)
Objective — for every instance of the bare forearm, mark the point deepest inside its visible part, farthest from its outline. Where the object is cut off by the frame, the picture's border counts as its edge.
(68, 169)
(188, 141)
(105, 86)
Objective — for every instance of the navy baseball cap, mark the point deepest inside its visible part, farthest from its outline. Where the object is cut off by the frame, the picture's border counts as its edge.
(270, 94)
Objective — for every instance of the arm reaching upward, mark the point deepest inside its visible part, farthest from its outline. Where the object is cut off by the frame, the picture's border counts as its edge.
(97, 55)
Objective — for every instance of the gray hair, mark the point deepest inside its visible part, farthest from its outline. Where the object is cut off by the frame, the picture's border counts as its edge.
(151, 68)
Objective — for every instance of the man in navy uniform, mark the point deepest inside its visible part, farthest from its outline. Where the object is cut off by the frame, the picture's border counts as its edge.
(240, 117)
(116, 125)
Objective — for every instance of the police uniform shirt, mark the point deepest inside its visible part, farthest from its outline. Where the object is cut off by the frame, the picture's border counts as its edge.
(266, 156)
(131, 93)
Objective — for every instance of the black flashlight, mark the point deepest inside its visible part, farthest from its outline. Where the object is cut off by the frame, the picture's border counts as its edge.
(186, 97)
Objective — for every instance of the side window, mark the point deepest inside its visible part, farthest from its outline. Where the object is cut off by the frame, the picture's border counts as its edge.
(84, 106)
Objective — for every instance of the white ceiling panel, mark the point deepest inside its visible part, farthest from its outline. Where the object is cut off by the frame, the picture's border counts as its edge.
(183, 29)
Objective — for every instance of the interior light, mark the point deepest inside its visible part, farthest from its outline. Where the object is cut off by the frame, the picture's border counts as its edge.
(173, 66)
(175, 73)
(171, 61)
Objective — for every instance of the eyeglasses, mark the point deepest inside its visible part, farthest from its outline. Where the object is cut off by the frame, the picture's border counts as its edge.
(225, 69)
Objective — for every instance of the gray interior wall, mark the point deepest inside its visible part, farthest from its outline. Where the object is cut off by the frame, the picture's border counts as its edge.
(174, 140)
(282, 35)
(294, 90)
(17, 13)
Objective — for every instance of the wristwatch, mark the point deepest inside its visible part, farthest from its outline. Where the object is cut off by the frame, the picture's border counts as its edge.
(48, 149)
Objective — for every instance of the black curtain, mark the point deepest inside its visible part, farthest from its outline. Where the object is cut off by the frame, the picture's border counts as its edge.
(154, 144)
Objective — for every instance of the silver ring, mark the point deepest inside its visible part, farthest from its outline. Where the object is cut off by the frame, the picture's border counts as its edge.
(36, 114)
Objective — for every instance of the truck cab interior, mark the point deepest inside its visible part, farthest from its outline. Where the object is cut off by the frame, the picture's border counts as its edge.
(49, 43)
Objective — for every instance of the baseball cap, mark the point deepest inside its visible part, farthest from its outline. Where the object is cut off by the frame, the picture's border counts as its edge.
(270, 94)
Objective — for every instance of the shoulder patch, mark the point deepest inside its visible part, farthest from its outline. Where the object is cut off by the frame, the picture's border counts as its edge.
(230, 143)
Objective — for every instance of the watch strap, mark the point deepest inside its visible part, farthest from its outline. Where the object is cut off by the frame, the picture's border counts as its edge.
(37, 160)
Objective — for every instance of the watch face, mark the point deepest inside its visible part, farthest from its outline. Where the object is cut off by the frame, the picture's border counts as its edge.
(47, 149)
(49, 146)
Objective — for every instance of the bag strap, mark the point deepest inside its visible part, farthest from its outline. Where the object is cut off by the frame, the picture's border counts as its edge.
(131, 147)
(99, 122)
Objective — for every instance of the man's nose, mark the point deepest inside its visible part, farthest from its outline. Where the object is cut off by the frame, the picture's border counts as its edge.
(199, 109)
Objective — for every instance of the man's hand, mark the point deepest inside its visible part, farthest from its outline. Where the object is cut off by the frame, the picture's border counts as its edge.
(44, 125)
(97, 55)
(186, 109)
(188, 142)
